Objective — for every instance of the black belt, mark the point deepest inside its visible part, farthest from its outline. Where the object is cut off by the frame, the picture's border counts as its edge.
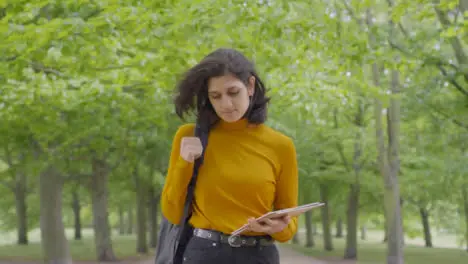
(234, 241)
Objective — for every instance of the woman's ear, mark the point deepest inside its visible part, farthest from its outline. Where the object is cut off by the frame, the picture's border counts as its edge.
(251, 86)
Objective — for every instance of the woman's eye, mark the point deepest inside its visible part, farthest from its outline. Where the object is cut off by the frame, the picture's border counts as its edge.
(233, 93)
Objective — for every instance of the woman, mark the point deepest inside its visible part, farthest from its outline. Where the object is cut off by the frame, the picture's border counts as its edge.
(249, 168)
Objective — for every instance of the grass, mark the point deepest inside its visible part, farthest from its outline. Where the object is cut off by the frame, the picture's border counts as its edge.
(81, 250)
(371, 252)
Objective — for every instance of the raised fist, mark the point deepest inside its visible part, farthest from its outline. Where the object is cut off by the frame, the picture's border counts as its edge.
(190, 148)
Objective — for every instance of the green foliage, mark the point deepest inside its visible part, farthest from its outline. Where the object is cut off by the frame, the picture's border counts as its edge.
(3, 166)
(93, 79)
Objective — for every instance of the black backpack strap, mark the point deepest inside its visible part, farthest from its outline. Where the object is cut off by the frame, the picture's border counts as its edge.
(203, 135)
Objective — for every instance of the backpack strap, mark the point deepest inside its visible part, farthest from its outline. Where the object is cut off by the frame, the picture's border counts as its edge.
(203, 135)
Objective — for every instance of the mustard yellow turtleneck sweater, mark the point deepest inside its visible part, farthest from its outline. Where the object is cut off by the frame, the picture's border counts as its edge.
(247, 172)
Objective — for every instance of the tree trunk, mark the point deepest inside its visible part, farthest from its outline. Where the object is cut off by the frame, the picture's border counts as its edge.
(21, 209)
(121, 220)
(392, 188)
(19, 188)
(352, 222)
(130, 220)
(295, 239)
(363, 232)
(339, 227)
(352, 213)
(327, 236)
(391, 193)
(76, 206)
(142, 246)
(465, 206)
(388, 161)
(54, 242)
(153, 215)
(426, 227)
(385, 238)
(309, 233)
(401, 222)
(99, 194)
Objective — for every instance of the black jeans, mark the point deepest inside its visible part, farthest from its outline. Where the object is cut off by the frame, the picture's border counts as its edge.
(204, 251)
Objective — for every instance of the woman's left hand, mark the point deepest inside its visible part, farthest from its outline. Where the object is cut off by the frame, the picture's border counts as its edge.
(268, 226)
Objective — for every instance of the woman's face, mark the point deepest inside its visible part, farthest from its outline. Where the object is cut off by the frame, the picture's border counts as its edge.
(229, 96)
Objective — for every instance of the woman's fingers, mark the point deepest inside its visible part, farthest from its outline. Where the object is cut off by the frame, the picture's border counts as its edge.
(191, 148)
(256, 226)
(268, 225)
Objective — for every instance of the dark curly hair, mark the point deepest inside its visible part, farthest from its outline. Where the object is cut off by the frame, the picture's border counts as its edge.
(192, 90)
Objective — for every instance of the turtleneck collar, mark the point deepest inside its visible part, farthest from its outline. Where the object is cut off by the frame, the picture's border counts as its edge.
(237, 125)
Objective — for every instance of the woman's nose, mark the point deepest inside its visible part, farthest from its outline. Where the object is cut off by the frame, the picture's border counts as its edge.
(226, 102)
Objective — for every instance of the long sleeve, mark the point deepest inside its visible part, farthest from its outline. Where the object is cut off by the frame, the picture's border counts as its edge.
(287, 189)
(177, 179)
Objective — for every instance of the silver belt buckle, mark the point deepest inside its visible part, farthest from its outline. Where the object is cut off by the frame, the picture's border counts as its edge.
(234, 241)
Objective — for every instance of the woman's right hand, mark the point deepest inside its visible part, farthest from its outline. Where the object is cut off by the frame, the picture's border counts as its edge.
(190, 148)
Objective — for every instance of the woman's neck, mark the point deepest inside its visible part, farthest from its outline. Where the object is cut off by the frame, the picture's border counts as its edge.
(237, 125)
